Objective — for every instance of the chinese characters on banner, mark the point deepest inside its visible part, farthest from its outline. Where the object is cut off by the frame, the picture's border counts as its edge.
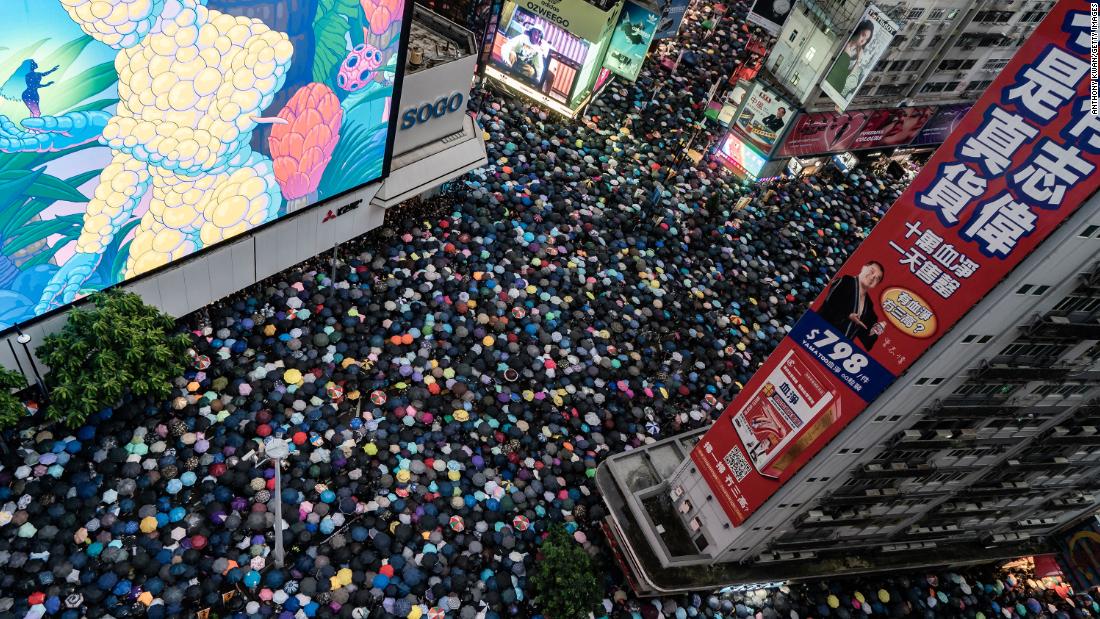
(1019, 163)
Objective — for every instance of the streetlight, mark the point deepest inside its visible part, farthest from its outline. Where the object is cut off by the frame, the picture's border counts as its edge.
(277, 449)
(24, 339)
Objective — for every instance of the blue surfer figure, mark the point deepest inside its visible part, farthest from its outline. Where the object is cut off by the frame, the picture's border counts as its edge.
(29, 80)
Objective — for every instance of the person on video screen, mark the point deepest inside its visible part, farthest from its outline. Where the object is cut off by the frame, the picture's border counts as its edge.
(849, 308)
(526, 54)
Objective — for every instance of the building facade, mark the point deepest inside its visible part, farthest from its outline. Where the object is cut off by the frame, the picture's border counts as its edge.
(987, 445)
(946, 52)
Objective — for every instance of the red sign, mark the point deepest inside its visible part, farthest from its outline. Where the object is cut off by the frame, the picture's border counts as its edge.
(892, 127)
(1021, 161)
(829, 132)
(823, 132)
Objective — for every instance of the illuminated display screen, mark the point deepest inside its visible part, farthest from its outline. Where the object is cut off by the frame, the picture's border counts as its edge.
(131, 140)
(740, 157)
(538, 54)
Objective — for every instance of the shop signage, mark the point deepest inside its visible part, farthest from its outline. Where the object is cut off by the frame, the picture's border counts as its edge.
(576, 16)
(427, 111)
(343, 210)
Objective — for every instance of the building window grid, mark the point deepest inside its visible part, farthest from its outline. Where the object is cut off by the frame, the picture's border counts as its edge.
(982, 389)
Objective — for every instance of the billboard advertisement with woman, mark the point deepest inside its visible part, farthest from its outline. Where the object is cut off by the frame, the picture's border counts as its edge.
(872, 36)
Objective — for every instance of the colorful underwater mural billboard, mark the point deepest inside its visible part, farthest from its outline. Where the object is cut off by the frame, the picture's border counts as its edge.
(134, 133)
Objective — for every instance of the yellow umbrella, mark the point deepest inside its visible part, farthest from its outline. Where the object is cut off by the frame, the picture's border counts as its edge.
(833, 601)
(883, 596)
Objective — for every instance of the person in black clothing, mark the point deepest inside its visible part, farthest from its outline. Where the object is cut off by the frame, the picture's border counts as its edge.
(774, 122)
(848, 307)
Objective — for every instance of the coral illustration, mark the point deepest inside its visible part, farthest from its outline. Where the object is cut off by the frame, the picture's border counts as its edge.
(192, 83)
(360, 67)
(383, 17)
(302, 146)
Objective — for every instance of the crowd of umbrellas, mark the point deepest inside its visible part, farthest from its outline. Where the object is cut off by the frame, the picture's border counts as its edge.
(450, 383)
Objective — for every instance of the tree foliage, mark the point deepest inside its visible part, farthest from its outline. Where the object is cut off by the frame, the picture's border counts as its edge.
(565, 582)
(11, 407)
(121, 345)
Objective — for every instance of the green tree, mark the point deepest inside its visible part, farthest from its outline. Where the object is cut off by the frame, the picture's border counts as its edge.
(11, 407)
(565, 582)
(121, 345)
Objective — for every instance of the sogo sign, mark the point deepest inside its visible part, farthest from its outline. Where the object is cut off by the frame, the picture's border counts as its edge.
(427, 111)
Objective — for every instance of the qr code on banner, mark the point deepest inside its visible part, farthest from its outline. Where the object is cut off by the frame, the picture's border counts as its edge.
(737, 463)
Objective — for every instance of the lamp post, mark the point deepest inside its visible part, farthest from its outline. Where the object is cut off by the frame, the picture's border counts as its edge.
(24, 339)
(277, 449)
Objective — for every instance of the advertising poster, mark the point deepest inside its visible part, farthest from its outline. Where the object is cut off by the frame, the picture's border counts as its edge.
(631, 40)
(672, 15)
(128, 149)
(1079, 554)
(536, 53)
(739, 157)
(762, 117)
(936, 130)
(894, 127)
(770, 14)
(823, 132)
(858, 57)
(1020, 162)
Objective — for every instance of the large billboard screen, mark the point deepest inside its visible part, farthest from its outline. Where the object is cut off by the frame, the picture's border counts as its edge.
(873, 34)
(893, 127)
(740, 157)
(631, 40)
(539, 54)
(762, 117)
(936, 130)
(132, 139)
(1020, 162)
(823, 132)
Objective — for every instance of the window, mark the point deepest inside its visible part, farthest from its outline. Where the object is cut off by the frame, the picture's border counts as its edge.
(794, 34)
(1087, 232)
(810, 53)
(957, 64)
(915, 64)
(918, 42)
(933, 87)
(995, 64)
(993, 17)
(897, 65)
(899, 41)
(951, 87)
(936, 14)
(915, 13)
(978, 84)
(952, 14)
(891, 89)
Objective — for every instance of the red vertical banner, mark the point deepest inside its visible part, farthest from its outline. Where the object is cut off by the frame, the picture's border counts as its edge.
(1020, 162)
